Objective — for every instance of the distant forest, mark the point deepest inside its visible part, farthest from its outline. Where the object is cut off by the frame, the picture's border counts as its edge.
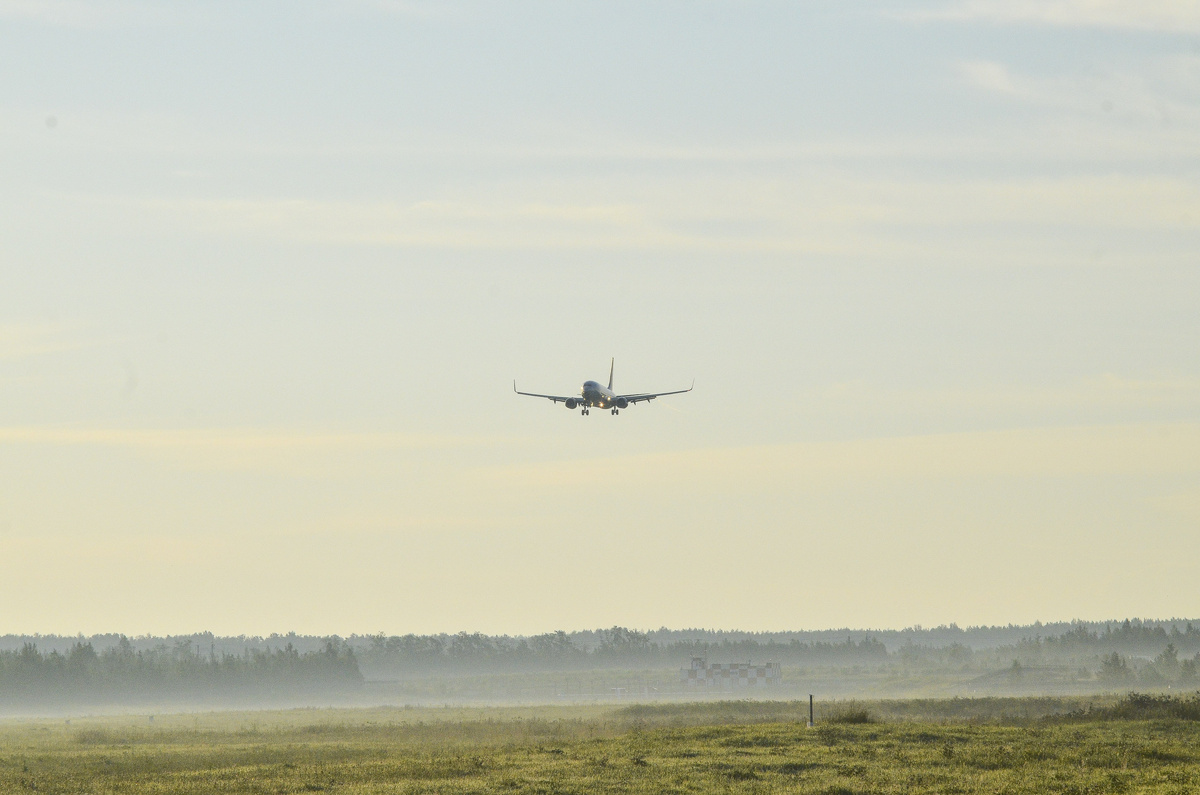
(176, 672)
(205, 667)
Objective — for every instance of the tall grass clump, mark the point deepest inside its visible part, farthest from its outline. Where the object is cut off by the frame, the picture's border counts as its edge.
(96, 736)
(1138, 706)
(1143, 706)
(849, 713)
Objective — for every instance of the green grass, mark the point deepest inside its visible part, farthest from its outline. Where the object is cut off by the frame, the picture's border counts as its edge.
(751, 747)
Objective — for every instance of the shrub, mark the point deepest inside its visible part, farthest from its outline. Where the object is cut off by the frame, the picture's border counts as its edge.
(850, 714)
(1141, 706)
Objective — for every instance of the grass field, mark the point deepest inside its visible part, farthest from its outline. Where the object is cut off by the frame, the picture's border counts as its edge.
(957, 746)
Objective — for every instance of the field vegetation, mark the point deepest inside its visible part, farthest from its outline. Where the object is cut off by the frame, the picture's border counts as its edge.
(1132, 744)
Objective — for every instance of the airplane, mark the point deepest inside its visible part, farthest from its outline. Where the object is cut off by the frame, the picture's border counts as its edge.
(593, 395)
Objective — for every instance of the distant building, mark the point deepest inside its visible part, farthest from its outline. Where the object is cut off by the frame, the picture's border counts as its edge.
(730, 676)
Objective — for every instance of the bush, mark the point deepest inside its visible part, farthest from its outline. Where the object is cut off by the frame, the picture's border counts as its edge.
(1140, 706)
(850, 714)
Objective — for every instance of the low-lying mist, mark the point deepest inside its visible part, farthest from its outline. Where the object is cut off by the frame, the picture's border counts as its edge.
(48, 674)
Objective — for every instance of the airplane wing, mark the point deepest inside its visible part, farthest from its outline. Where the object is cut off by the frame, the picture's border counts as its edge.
(640, 396)
(555, 398)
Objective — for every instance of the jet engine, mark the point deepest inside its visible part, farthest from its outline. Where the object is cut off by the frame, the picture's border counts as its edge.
(570, 403)
(622, 403)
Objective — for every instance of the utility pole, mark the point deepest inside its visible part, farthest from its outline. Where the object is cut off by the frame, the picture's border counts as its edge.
(810, 710)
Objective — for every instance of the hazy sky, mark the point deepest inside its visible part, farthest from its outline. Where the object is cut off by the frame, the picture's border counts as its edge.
(268, 270)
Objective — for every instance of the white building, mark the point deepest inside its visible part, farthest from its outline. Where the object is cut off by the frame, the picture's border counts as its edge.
(730, 676)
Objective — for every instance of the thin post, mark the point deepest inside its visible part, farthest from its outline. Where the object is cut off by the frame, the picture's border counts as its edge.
(810, 710)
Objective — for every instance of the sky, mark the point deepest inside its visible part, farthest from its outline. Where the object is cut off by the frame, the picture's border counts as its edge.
(269, 270)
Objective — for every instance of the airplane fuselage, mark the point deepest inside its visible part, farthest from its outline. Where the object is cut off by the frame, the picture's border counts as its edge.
(595, 394)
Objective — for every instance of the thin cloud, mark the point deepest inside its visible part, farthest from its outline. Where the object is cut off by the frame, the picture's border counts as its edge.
(1161, 92)
(96, 13)
(1185, 503)
(838, 214)
(1131, 450)
(1168, 16)
(1106, 392)
(233, 439)
(20, 340)
(990, 76)
(419, 9)
(297, 453)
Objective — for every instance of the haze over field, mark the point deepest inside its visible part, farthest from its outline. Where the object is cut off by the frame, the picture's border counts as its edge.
(47, 674)
(267, 272)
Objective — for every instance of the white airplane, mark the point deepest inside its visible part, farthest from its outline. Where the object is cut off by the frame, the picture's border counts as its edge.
(593, 395)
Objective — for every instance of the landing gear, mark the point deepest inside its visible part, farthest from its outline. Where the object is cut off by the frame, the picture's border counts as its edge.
(583, 413)
(616, 411)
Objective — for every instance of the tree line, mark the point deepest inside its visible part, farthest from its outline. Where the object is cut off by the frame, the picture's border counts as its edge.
(618, 647)
(207, 664)
(182, 672)
(1139, 637)
(1129, 636)
(1165, 669)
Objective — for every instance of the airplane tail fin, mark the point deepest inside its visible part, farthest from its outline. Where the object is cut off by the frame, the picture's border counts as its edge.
(610, 372)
